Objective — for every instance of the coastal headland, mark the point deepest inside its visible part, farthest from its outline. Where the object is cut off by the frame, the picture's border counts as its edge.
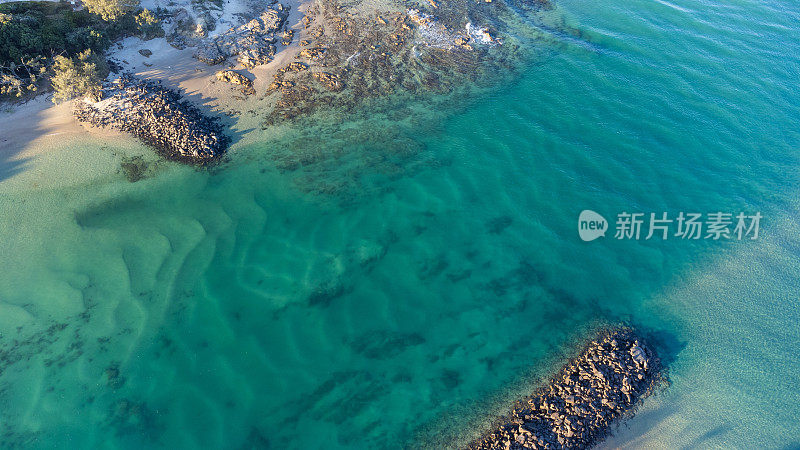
(260, 64)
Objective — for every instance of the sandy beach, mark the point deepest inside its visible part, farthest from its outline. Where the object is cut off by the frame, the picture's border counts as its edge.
(39, 126)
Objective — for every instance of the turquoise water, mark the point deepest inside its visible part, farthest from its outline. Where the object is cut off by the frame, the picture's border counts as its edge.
(423, 267)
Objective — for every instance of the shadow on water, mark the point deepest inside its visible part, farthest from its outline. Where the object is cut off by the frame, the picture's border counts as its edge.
(666, 344)
(648, 421)
(10, 165)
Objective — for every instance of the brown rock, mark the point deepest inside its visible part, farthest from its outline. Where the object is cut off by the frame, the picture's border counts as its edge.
(329, 80)
(313, 54)
(229, 76)
(295, 67)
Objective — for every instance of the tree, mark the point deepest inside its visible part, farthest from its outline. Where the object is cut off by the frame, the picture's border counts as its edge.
(149, 25)
(75, 77)
(17, 78)
(111, 10)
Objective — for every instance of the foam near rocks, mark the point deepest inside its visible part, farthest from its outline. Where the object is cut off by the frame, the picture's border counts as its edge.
(481, 35)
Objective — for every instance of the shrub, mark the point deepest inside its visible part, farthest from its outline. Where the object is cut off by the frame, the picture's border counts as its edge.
(23, 76)
(75, 77)
(111, 10)
(31, 33)
(149, 25)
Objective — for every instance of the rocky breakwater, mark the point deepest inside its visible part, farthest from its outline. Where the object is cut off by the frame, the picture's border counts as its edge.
(159, 117)
(252, 43)
(582, 403)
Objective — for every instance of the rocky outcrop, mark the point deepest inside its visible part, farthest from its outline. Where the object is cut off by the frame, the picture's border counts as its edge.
(229, 76)
(313, 54)
(353, 56)
(294, 67)
(209, 54)
(329, 80)
(287, 37)
(180, 29)
(581, 404)
(159, 117)
(252, 43)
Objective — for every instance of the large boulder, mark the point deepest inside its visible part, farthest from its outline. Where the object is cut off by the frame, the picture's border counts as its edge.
(229, 76)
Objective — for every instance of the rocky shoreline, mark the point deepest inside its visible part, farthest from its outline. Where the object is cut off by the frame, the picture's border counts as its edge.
(159, 117)
(348, 57)
(253, 43)
(581, 404)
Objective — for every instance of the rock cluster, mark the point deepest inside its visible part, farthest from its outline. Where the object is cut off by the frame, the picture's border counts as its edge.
(295, 66)
(329, 80)
(352, 56)
(584, 400)
(159, 117)
(433, 33)
(252, 43)
(313, 54)
(229, 76)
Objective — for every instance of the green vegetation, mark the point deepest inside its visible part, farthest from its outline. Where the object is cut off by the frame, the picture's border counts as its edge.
(33, 34)
(14, 85)
(149, 25)
(76, 77)
(111, 10)
(32, 29)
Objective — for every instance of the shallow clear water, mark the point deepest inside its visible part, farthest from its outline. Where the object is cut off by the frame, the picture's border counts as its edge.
(422, 272)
